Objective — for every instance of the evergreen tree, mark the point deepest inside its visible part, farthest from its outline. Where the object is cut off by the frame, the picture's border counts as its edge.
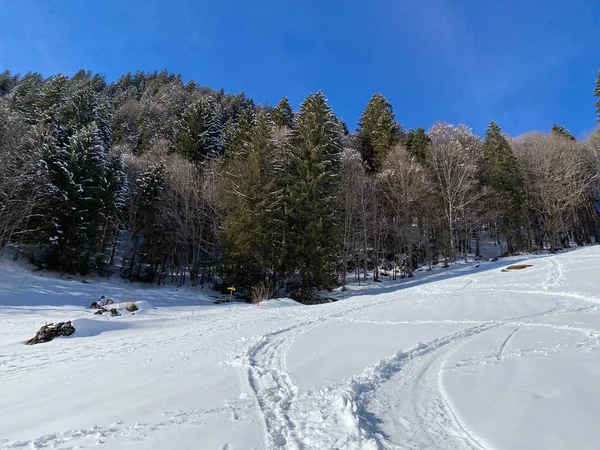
(76, 153)
(25, 95)
(200, 133)
(59, 191)
(416, 142)
(7, 82)
(114, 195)
(377, 132)
(232, 106)
(597, 95)
(150, 233)
(90, 159)
(252, 209)
(236, 135)
(283, 115)
(77, 185)
(561, 131)
(312, 194)
(52, 97)
(342, 126)
(502, 176)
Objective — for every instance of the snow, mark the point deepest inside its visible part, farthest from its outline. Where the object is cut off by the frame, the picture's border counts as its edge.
(461, 358)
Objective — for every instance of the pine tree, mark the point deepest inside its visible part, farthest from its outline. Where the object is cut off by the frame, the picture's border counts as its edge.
(283, 115)
(313, 236)
(559, 130)
(416, 142)
(502, 176)
(377, 132)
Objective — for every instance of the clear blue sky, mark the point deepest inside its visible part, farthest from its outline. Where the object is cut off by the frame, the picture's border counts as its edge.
(523, 63)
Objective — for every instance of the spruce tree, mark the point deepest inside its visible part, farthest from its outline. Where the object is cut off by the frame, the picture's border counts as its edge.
(200, 131)
(7, 82)
(236, 135)
(59, 208)
(312, 203)
(416, 142)
(502, 176)
(151, 234)
(559, 130)
(283, 115)
(251, 209)
(80, 197)
(76, 155)
(377, 132)
(25, 96)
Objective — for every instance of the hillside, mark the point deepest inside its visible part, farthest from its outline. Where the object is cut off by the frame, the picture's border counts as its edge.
(468, 358)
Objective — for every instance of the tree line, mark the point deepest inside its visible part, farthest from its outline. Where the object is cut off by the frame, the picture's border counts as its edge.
(164, 180)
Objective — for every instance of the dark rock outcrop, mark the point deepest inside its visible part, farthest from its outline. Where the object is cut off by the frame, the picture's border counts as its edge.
(50, 331)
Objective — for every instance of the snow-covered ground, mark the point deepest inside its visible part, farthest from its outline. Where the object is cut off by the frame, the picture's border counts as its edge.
(463, 358)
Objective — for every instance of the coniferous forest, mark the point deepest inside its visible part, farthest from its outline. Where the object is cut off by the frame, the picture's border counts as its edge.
(161, 180)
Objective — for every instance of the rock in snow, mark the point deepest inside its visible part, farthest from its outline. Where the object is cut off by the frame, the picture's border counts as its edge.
(50, 331)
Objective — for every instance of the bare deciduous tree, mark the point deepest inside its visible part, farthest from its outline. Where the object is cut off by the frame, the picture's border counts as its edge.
(405, 186)
(21, 175)
(558, 179)
(454, 155)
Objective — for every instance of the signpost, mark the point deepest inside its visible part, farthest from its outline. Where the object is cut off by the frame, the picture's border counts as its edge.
(231, 290)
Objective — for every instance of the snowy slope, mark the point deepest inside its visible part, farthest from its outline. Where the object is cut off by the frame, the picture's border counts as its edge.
(467, 358)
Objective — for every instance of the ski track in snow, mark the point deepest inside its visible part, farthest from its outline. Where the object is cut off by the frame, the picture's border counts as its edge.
(342, 415)
(118, 430)
(505, 343)
(305, 421)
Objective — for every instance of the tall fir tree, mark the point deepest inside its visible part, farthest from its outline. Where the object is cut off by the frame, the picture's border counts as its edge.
(283, 115)
(150, 235)
(83, 193)
(506, 186)
(312, 195)
(200, 130)
(416, 142)
(76, 154)
(236, 135)
(377, 132)
(252, 219)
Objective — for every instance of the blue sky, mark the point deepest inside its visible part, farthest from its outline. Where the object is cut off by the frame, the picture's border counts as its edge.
(523, 63)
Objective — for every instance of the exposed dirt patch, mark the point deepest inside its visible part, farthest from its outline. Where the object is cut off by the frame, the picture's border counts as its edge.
(516, 267)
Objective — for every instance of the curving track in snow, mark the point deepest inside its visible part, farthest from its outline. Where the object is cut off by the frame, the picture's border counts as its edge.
(348, 415)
